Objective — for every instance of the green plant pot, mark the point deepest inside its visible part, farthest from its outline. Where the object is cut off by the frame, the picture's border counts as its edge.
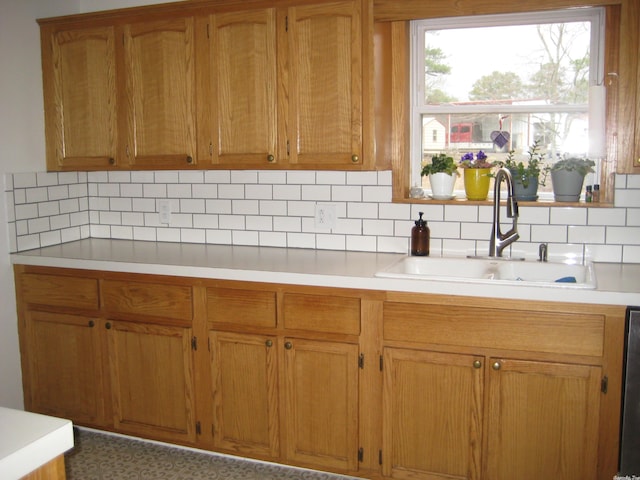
(567, 185)
(524, 189)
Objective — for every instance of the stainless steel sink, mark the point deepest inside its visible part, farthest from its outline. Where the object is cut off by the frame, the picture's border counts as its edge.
(486, 270)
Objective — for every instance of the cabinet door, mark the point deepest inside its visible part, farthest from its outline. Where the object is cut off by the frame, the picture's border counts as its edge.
(79, 78)
(324, 84)
(245, 397)
(243, 87)
(160, 92)
(152, 380)
(64, 358)
(432, 415)
(542, 421)
(321, 403)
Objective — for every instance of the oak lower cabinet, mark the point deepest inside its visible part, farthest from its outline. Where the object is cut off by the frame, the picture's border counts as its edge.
(277, 390)
(62, 345)
(487, 393)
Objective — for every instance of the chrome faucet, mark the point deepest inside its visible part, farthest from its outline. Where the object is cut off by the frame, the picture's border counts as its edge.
(499, 241)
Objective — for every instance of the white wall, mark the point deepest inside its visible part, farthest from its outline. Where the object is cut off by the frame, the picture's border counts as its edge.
(22, 141)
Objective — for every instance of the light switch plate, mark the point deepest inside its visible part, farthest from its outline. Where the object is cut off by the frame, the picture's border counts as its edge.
(325, 216)
(164, 211)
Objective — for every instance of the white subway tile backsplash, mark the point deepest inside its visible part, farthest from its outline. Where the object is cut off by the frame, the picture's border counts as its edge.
(277, 208)
(36, 195)
(568, 216)
(631, 254)
(321, 193)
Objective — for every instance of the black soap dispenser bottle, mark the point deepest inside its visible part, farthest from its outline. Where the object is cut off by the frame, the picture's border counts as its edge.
(420, 238)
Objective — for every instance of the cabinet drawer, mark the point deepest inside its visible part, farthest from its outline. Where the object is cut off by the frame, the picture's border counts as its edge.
(322, 313)
(255, 308)
(59, 290)
(151, 299)
(549, 332)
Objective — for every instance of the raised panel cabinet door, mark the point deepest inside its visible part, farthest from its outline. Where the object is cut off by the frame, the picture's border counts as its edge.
(324, 83)
(321, 406)
(152, 384)
(243, 87)
(79, 78)
(65, 367)
(432, 415)
(542, 420)
(161, 93)
(245, 396)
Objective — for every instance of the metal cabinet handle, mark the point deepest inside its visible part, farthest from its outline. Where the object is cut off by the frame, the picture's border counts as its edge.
(355, 158)
(496, 365)
(477, 364)
(107, 325)
(288, 345)
(91, 323)
(269, 343)
(112, 161)
(189, 159)
(271, 158)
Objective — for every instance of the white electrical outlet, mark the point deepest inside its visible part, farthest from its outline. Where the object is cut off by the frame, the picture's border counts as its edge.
(164, 211)
(325, 216)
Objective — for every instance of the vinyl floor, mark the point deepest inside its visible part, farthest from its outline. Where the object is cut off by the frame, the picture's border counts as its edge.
(103, 456)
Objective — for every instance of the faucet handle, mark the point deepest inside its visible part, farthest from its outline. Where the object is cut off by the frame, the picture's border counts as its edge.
(543, 249)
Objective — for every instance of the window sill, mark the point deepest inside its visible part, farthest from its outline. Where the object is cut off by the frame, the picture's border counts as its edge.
(489, 201)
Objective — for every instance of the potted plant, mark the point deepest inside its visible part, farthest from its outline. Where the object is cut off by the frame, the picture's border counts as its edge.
(442, 172)
(567, 177)
(477, 175)
(527, 175)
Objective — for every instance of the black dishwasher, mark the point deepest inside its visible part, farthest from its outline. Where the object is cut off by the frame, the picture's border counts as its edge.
(630, 432)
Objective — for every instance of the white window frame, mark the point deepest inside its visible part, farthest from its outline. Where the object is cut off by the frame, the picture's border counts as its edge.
(595, 15)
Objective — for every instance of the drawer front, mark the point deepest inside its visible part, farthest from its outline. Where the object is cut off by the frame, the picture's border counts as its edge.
(322, 313)
(255, 308)
(59, 291)
(549, 332)
(150, 299)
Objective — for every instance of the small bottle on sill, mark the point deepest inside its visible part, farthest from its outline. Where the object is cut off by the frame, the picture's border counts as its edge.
(596, 193)
(588, 194)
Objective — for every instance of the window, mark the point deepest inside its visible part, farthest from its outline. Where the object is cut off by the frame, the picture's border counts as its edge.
(502, 82)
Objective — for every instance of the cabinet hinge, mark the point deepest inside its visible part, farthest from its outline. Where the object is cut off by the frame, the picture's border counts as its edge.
(379, 457)
(194, 343)
(288, 149)
(361, 361)
(604, 384)
(381, 363)
(361, 454)
(286, 23)
(198, 428)
(209, 344)
(210, 148)
(208, 30)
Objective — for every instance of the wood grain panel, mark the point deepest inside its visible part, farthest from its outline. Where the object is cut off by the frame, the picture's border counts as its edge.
(255, 308)
(542, 421)
(322, 313)
(150, 299)
(432, 414)
(563, 333)
(59, 290)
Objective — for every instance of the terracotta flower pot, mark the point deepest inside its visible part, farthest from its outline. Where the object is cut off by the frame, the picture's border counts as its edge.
(476, 183)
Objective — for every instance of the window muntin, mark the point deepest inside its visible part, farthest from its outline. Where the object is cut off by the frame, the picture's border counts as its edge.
(455, 85)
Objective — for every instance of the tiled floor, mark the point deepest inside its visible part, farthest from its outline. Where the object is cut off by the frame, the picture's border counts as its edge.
(98, 456)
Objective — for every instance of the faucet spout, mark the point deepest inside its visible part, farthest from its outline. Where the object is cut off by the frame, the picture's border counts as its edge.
(499, 241)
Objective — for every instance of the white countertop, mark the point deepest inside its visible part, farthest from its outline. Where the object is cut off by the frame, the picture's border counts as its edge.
(617, 284)
(29, 440)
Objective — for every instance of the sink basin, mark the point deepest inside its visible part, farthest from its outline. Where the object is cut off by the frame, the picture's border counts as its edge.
(485, 270)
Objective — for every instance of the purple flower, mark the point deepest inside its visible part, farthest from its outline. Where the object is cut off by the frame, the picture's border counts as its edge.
(467, 156)
(481, 155)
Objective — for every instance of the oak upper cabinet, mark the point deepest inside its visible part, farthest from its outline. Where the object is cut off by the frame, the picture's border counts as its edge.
(62, 347)
(242, 89)
(244, 371)
(80, 91)
(432, 415)
(321, 76)
(160, 92)
(150, 350)
(285, 87)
